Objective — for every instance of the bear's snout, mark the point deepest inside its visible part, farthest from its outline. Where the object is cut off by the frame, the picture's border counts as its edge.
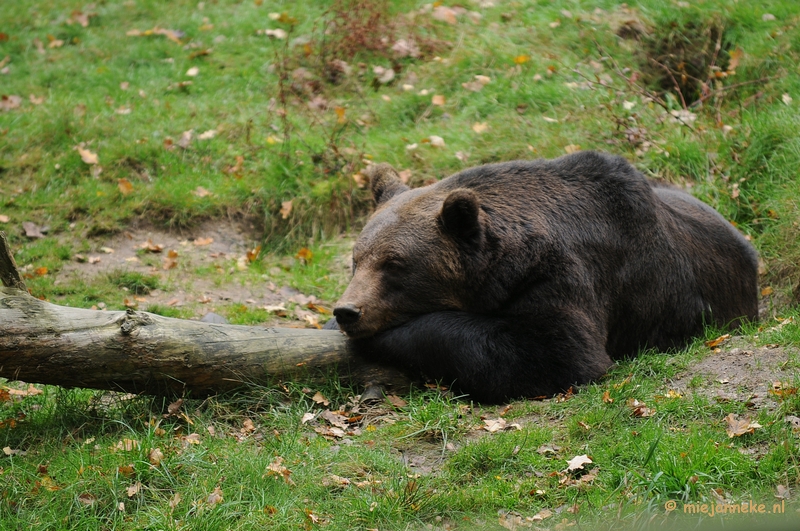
(347, 314)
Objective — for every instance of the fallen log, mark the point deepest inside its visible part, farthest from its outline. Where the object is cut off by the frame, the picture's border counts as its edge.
(141, 352)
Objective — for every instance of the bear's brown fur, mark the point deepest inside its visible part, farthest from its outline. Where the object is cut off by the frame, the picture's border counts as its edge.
(527, 277)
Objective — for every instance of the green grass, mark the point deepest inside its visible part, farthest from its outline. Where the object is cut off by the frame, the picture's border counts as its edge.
(553, 87)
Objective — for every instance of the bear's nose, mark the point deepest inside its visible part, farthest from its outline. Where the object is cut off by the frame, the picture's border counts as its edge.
(347, 314)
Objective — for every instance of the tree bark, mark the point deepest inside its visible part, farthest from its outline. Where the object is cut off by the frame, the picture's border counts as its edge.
(140, 352)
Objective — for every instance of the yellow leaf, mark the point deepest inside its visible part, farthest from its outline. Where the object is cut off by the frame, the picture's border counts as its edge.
(125, 186)
(340, 118)
(521, 59)
(480, 127)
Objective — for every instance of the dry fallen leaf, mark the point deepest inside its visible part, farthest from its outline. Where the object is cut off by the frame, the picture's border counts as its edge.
(193, 71)
(736, 427)
(396, 401)
(125, 186)
(572, 148)
(277, 469)
(307, 417)
(436, 141)
(286, 209)
(320, 399)
(32, 230)
(4, 218)
(155, 456)
(203, 241)
(134, 489)
(215, 497)
(480, 127)
(185, 139)
(438, 99)
(445, 14)
(718, 341)
(87, 156)
(201, 192)
(577, 462)
(8, 103)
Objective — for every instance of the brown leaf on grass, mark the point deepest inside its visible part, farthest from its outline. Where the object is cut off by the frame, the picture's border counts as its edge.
(155, 456)
(32, 230)
(513, 520)
(87, 156)
(81, 18)
(134, 489)
(201, 192)
(192, 438)
(125, 186)
(330, 432)
(572, 148)
(247, 427)
(438, 99)
(30, 391)
(335, 481)
(207, 135)
(185, 139)
(4, 218)
(640, 409)
(40, 271)
(396, 401)
(445, 14)
(406, 48)
(175, 500)
(286, 209)
(236, 168)
(276, 469)
(477, 84)
(782, 492)
(480, 127)
(436, 141)
(8, 103)
(738, 427)
(718, 341)
(87, 499)
(499, 424)
(126, 470)
(335, 419)
(607, 398)
(215, 497)
(320, 399)
(202, 241)
(35, 100)
(307, 417)
(125, 445)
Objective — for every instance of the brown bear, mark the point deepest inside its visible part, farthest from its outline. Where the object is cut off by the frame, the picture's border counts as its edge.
(524, 278)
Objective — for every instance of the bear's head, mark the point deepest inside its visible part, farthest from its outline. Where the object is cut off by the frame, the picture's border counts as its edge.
(413, 257)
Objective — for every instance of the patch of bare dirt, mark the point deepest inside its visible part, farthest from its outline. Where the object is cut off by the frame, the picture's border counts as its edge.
(194, 281)
(754, 375)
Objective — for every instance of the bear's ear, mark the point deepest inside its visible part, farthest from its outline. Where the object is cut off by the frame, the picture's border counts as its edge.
(460, 215)
(384, 182)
